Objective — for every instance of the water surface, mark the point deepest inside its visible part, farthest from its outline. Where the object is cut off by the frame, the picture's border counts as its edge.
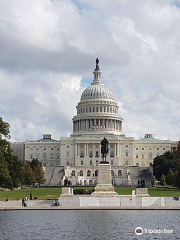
(83, 224)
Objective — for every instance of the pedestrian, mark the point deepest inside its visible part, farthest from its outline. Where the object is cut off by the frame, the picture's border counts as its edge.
(23, 202)
(30, 195)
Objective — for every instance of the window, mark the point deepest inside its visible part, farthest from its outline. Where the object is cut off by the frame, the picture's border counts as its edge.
(52, 155)
(44, 155)
(150, 155)
(96, 173)
(126, 162)
(142, 156)
(90, 154)
(111, 162)
(51, 164)
(31, 149)
(81, 173)
(150, 164)
(90, 162)
(88, 173)
(157, 148)
(81, 162)
(31, 156)
(126, 154)
(44, 164)
(97, 155)
(112, 173)
(68, 163)
(82, 154)
(57, 156)
(67, 154)
(112, 154)
(126, 146)
(136, 155)
(37, 148)
(73, 173)
(44, 148)
(119, 173)
(57, 148)
(142, 148)
(136, 148)
(51, 148)
(163, 148)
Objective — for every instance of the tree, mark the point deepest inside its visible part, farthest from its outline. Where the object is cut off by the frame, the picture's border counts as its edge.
(163, 180)
(38, 171)
(28, 177)
(154, 180)
(171, 178)
(4, 173)
(163, 163)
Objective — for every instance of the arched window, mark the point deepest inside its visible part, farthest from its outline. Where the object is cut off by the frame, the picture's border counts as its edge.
(73, 173)
(96, 173)
(88, 173)
(119, 173)
(112, 173)
(81, 173)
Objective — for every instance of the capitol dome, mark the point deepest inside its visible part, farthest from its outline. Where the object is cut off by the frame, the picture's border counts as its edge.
(97, 111)
(97, 91)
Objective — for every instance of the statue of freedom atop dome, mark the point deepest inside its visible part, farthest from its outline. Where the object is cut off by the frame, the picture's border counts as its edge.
(97, 64)
(104, 150)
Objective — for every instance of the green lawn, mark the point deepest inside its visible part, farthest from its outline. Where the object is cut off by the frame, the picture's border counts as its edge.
(41, 193)
(162, 192)
(54, 192)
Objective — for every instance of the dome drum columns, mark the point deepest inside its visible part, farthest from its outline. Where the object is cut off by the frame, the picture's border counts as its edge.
(97, 124)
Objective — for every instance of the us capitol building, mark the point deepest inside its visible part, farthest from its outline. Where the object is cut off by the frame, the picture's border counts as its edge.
(77, 157)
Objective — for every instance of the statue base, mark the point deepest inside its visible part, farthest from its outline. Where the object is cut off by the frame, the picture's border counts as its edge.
(142, 192)
(102, 162)
(104, 186)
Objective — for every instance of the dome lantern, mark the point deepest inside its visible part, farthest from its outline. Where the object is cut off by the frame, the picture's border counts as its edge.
(97, 73)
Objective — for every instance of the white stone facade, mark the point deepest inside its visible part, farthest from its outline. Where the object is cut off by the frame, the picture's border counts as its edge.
(97, 117)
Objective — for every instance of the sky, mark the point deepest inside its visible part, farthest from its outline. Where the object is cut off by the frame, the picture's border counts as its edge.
(47, 58)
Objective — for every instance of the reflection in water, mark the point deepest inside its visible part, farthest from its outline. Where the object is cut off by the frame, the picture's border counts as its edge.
(82, 224)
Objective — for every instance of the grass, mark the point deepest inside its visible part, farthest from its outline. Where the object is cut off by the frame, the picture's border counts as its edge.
(41, 193)
(54, 192)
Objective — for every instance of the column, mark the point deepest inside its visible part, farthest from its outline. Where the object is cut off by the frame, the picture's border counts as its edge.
(75, 149)
(115, 149)
(100, 151)
(86, 125)
(78, 125)
(118, 149)
(87, 150)
(99, 123)
(111, 124)
(115, 125)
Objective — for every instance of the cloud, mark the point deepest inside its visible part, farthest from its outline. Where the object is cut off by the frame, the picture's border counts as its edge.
(48, 46)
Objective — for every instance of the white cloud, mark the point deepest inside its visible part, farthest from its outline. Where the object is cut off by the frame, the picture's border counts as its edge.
(48, 46)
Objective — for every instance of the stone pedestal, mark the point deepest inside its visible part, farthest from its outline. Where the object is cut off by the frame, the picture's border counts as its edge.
(67, 191)
(104, 186)
(142, 192)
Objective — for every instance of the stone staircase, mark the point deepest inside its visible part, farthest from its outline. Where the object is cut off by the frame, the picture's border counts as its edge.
(57, 176)
(54, 176)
